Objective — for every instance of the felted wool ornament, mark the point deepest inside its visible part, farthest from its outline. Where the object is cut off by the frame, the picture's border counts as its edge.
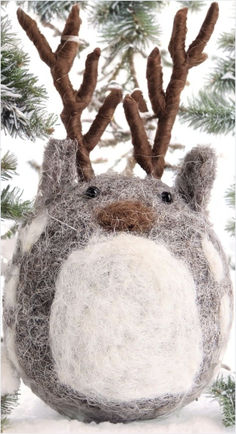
(118, 303)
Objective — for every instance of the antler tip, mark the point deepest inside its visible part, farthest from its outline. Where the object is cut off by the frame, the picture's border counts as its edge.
(75, 8)
(22, 17)
(74, 13)
(154, 53)
(214, 8)
(181, 12)
(20, 12)
(97, 51)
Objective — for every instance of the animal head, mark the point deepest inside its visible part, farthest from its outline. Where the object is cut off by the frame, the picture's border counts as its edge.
(120, 203)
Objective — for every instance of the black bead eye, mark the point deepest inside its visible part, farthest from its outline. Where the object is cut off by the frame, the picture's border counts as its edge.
(166, 197)
(91, 192)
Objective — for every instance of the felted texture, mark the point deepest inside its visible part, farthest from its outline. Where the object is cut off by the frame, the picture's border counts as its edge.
(101, 334)
(126, 215)
(71, 228)
(196, 176)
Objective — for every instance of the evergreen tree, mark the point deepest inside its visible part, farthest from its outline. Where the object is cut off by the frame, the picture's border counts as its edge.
(230, 200)
(192, 5)
(209, 112)
(213, 110)
(23, 115)
(12, 207)
(223, 390)
(23, 111)
(127, 28)
(46, 10)
(8, 402)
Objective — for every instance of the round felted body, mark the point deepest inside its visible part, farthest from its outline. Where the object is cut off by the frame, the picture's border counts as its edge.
(114, 323)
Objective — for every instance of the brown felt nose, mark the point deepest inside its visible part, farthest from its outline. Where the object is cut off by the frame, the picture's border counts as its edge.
(126, 215)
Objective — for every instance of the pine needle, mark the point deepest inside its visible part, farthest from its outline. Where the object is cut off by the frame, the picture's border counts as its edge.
(23, 111)
(8, 166)
(12, 207)
(8, 402)
(209, 112)
(223, 390)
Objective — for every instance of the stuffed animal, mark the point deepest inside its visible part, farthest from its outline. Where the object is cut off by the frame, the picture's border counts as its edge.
(118, 303)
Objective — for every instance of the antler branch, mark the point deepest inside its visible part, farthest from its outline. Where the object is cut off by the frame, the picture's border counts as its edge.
(166, 104)
(142, 147)
(155, 86)
(74, 102)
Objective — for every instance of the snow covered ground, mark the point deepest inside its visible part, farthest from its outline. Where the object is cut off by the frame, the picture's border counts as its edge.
(33, 416)
(202, 416)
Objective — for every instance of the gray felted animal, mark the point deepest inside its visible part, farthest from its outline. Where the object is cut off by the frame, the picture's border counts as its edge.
(118, 303)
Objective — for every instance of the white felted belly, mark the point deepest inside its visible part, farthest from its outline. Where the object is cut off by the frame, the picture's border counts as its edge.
(124, 323)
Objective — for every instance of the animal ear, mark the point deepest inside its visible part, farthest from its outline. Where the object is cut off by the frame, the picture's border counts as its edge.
(196, 176)
(58, 169)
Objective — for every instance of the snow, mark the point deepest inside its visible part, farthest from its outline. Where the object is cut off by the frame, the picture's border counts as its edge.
(202, 416)
(33, 416)
(10, 380)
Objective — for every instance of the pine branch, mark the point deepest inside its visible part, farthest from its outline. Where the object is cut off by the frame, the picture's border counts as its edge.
(223, 78)
(113, 11)
(47, 10)
(230, 227)
(223, 390)
(8, 166)
(209, 112)
(230, 196)
(230, 200)
(8, 402)
(192, 5)
(23, 112)
(12, 231)
(125, 26)
(226, 42)
(12, 207)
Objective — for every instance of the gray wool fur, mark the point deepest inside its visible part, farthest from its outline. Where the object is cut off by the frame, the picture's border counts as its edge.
(196, 176)
(71, 222)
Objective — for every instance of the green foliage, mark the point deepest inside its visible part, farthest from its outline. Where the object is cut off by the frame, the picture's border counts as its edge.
(12, 207)
(130, 24)
(226, 41)
(113, 11)
(209, 112)
(224, 391)
(213, 111)
(8, 402)
(12, 231)
(8, 166)
(23, 112)
(230, 200)
(230, 227)
(126, 28)
(230, 196)
(192, 5)
(223, 77)
(47, 10)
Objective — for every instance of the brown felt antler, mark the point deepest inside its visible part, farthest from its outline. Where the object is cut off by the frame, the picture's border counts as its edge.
(165, 105)
(74, 102)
